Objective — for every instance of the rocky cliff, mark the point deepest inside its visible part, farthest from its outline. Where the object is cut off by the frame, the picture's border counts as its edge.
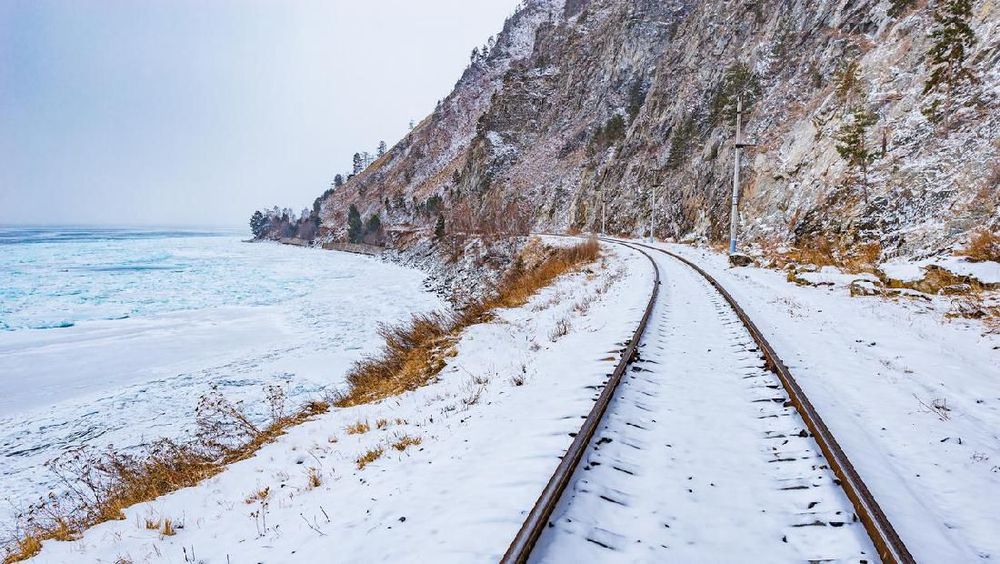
(630, 104)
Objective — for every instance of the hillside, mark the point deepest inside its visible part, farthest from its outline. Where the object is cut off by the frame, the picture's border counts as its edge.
(581, 102)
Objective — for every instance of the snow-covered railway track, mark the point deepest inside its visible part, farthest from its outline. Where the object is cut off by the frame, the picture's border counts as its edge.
(702, 447)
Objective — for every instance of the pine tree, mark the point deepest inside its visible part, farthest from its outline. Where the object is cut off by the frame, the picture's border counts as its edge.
(338, 181)
(951, 37)
(355, 229)
(381, 149)
(853, 146)
(358, 163)
(258, 224)
(439, 227)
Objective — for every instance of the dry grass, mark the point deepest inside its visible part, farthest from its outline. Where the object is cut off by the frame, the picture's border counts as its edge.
(24, 549)
(984, 246)
(382, 423)
(100, 484)
(371, 456)
(313, 478)
(560, 330)
(821, 251)
(259, 495)
(405, 442)
(358, 428)
(168, 529)
(414, 353)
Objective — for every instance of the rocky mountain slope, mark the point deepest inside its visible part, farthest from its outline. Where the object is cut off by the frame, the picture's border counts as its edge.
(631, 104)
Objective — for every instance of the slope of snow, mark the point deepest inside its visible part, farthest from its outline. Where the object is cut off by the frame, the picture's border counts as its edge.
(913, 398)
(488, 447)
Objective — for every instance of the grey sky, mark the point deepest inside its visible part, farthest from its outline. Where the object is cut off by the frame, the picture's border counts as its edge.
(187, 112)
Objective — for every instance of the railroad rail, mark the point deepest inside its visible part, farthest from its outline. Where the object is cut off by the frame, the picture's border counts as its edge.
(886, 541)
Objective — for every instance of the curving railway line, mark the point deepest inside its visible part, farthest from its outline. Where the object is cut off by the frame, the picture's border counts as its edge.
(703, 448)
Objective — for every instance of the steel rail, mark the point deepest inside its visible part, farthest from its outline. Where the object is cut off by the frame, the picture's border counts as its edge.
(887, 543)
(538, 518)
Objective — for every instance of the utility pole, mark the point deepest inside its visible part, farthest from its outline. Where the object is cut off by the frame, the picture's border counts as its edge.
(734, 216)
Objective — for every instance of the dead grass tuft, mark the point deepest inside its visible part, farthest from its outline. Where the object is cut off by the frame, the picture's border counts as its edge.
(168, 529)
(405, 441)
(984, 246)
(414, 353)
(560, 330)
(259, 495)
(314, 479)
(359, 428)
(100, 484)
(371, 456)
(25, 548)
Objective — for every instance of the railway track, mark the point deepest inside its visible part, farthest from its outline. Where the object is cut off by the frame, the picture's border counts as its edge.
(702, 446)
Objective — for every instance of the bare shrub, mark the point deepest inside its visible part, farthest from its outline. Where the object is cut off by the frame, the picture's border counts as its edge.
(472, 395)
(490, 219)
(560, 330)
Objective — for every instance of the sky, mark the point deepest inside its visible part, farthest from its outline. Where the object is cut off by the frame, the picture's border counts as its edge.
(196, 113)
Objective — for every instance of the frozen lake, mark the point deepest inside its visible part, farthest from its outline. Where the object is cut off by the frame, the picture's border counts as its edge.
(111, 336)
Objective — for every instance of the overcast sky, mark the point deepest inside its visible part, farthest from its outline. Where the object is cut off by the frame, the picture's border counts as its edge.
(194, 112)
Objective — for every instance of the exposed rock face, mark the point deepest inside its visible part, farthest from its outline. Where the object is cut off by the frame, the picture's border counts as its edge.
(588, 101)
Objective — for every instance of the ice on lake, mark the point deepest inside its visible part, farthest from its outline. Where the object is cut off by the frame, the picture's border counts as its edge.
(111, 336)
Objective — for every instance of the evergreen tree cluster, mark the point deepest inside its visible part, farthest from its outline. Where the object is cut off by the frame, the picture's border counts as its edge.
(359, 231)
(277, 223)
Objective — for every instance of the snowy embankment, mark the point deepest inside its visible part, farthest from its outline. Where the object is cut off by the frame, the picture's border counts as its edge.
(491, 430)
(914, 399)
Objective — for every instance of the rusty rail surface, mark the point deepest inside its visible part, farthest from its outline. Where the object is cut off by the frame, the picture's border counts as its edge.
(536, 521)
(887, 543)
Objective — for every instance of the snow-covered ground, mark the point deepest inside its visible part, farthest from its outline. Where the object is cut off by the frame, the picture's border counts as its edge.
(142, 324)
(699, 458)
(491, 429)
(913, 398)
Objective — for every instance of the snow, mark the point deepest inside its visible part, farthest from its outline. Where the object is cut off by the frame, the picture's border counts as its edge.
(913, 399)
(460, 496)
(698, 458)
(226, 315)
